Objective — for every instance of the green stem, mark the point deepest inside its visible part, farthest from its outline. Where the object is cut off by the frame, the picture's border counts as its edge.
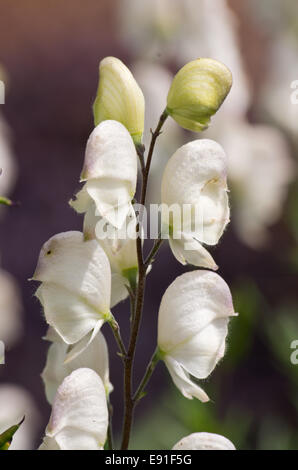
(132, 297)
(116, 330)
(153, 252)
(140, 151)
(110, 428)
(155, 134)
(149, 371)
(139, 301)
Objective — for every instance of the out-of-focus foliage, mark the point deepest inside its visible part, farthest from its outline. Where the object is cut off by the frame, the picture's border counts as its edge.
(7, 436)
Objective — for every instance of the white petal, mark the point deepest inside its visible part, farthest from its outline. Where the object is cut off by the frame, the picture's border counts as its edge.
(53, 373)
(193, 319)
(215, 211)
(110, 153)
(7, 160)
(78, 348)
(49, 443)
(119, 291)
(120, 248)
(196, 176)
(204, 441)
(70, 316)
(110, 169)
(182, 381)
(76, 284)
(118, 244)
(79, 418)
(82, 202)
(201, 353)
(95, 357)
(51, 334)
(112, 199)
(260, 177)
(188, 250)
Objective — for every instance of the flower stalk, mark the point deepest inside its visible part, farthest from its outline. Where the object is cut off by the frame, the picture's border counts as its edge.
(139, 301)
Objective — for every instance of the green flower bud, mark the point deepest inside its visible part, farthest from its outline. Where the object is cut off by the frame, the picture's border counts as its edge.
(119, 98)
(197, 92)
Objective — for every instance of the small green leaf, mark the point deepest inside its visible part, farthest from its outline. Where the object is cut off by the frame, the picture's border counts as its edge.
(6, 436)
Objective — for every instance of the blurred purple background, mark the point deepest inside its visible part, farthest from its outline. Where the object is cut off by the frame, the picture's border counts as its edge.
(51, 51)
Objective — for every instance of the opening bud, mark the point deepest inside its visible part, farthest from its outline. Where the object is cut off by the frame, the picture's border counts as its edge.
(197, 92)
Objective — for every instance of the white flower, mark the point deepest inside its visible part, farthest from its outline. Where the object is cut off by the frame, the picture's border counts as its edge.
(75, 287)
(120, 248)
(192, 328)
(11, 327)
(79, 418)
(7, 163)
(119, 97)
(277, 96)
(260, 170)
(204, 441)
(15, 403)
(110, 173)
(195, 184)
(94, 357)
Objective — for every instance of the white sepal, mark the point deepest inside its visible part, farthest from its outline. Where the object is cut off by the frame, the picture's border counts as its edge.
(192, 327)
(187, 250)
(95, 357)
(194, 193)
(79, 419)
(75, 286)
(204, 441)
(119, 246)
(109, 173)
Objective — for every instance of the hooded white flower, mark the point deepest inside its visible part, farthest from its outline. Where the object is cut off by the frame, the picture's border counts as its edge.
(279, 96)
(192, 328)
(16, 403)
(79, 419)
(194, 193)
(94, 357)
(7, 163)
(204, 441)
(109, 173)
(260, 170)
(75, 288)
(120, 248)
(119, 97)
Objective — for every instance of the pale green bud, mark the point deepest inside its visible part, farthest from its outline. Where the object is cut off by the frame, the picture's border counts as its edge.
(197, 92)
(119, 98)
